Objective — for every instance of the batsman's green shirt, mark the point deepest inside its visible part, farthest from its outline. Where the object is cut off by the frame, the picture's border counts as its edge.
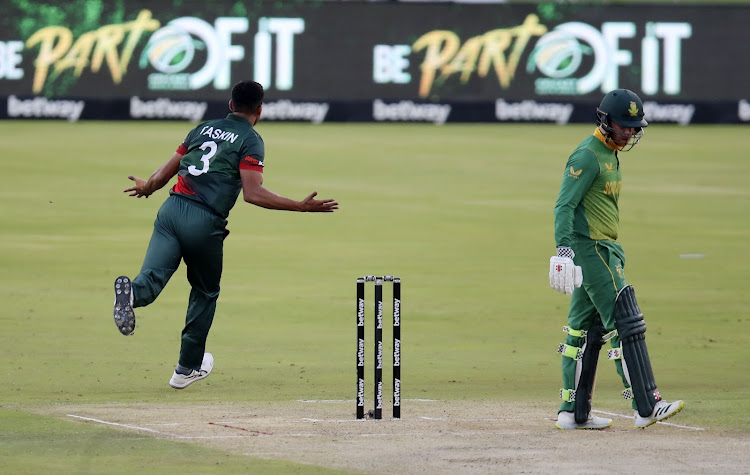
(587, 203)
(213, 154)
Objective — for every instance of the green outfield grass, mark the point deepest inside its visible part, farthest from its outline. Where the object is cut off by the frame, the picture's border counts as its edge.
(462, 213)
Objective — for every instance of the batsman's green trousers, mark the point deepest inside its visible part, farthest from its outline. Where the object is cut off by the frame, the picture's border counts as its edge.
(602, 264)
(189, 231)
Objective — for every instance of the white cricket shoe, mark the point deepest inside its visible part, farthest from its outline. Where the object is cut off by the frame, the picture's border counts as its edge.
(567, 420)
(181, 381)
(123, 308)
(663, 410)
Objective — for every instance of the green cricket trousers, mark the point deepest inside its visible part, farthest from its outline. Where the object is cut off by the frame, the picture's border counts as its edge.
(602, 264)
(189, 231)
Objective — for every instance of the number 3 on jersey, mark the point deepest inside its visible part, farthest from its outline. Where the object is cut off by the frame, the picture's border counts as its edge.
(211, 146)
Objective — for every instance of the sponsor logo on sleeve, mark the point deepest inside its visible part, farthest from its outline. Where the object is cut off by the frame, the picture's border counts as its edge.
(253, 161)
(575, 173)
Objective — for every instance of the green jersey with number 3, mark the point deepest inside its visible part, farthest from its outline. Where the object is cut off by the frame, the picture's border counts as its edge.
(213, 154)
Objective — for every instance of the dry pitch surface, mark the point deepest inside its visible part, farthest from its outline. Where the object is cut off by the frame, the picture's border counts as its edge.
(432, 437)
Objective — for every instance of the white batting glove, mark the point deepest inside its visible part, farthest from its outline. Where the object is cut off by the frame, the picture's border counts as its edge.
(564, 275)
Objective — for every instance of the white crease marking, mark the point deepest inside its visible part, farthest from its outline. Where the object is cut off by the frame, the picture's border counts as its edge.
(623, 416)
(128, 426)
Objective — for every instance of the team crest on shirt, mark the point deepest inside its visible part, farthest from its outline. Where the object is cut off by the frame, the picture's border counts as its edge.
(609, 166)
(620, 272)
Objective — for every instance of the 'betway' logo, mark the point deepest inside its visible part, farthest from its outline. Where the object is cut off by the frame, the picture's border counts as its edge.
(379, 356)
(314, 112)
(360, 312)
(167, 109)
(396, 312)
(679, 113)
(408, 111)
(379, 316)
(397, 392)
(379, 396)
(361, 352)
(360, 392)
(743, 110)
(45, 108)
(532, 111)
(397, 352)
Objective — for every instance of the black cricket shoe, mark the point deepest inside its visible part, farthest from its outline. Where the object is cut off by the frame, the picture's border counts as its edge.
(123, 312)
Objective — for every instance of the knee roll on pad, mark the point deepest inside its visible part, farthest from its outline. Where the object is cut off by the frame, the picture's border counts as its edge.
(636, 363)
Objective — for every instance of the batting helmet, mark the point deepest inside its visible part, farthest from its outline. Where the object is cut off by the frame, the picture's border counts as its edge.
(626, 109)
(622, 106)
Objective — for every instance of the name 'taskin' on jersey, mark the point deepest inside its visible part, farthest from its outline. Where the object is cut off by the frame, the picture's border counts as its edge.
(218, 134)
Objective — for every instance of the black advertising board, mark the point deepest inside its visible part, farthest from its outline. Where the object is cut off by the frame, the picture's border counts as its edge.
(363, 61)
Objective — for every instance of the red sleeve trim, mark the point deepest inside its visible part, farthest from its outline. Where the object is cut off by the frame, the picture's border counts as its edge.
(247, 166)
(250, 163)
(182, 149)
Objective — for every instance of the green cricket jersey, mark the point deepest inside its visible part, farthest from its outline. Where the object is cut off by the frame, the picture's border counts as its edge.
(587, 203)
(214, 152)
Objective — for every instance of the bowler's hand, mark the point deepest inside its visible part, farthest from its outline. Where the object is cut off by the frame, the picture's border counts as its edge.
(137, 190)
(311, 205)
(564, 275)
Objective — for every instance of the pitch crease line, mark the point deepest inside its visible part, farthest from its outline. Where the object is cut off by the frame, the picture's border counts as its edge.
(658, 422)
(128, 426)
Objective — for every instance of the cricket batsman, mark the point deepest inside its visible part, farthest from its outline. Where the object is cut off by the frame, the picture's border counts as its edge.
(590, 266)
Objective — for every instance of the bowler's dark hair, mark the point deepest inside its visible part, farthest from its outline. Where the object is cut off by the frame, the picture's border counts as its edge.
(247, 96)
